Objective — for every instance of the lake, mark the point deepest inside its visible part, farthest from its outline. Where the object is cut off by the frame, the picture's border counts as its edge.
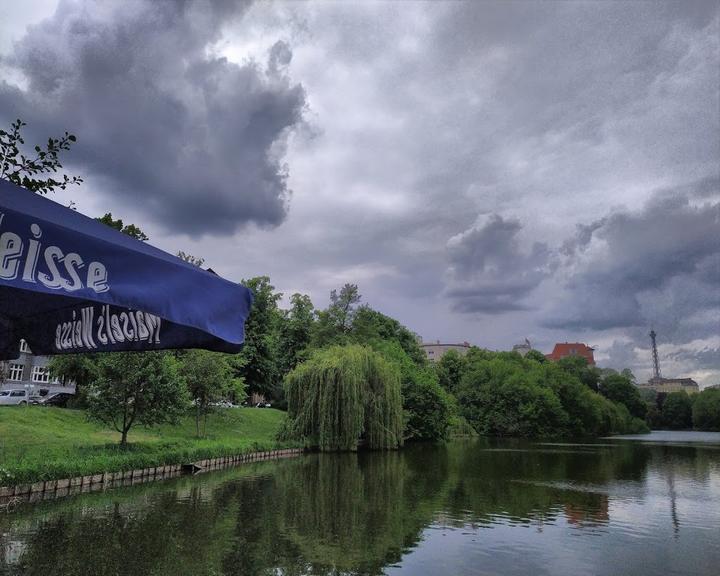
(638, 505)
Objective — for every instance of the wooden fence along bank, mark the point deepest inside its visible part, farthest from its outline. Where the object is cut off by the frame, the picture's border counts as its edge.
(51, 489)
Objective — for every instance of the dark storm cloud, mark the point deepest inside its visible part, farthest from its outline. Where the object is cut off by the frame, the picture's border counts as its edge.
(634, 268)
(489, 272)
(193, 139)
(425, 114)
(707, 356)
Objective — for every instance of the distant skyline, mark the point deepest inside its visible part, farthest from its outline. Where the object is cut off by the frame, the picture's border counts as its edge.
(484, 171)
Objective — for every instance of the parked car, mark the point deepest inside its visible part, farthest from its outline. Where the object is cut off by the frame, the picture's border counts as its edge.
(13, 397)
(263, 405)
(59, 399)
(37, 396)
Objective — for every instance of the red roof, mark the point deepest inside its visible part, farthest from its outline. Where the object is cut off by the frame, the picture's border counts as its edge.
(565, 349)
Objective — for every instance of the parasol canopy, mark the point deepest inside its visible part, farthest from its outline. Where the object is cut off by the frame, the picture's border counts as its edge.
(70, 284)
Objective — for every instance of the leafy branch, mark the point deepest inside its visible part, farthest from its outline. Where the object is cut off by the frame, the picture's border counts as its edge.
(24, 171)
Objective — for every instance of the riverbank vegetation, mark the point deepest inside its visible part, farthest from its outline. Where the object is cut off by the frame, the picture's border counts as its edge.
(488, 393)
(39, 443)
(298, 359)
(679, 411)
(504, 394)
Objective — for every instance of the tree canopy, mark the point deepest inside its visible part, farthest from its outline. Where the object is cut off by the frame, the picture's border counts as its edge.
(619, 388)
(259, 368)
(676, 411)
(129, 229)
(296, 330)
(706, 410)
(209, 378)
(136, 388)
(343, 395)
(504, 394)
(335, 322)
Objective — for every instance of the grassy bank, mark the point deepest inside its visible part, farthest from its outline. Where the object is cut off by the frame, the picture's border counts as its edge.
(39, 443)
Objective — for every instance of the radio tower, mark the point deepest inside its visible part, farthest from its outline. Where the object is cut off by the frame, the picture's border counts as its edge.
(656, 362)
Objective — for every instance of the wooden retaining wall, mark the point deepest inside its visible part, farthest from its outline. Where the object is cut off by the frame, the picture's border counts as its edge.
(51, 489)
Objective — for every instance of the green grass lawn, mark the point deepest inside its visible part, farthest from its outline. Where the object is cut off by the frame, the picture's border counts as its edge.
(38, 443)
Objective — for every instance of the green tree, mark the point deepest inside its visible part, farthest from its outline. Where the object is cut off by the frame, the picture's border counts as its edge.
(335, 322)
(583, 406)
(296, 329)
(706, 410)
(628, 374)
(536, 356)
(578, 367)
(209, 378)
(78, 368)
(259, 367)
(619, 388)
(129, 229)
(549, 399)
(450, 370)
(676, 412)
(427, 407)
(25, 170)
(343, 395)
(190, 259)
(499, 399)
(369, 325)
(136, 388)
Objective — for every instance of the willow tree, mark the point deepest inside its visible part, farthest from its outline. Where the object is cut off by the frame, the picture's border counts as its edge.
(344, 395)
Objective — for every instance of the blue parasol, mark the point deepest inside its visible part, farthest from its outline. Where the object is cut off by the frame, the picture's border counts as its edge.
(69, 284)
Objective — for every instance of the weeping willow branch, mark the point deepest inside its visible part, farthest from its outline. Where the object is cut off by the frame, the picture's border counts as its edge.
(343, 395)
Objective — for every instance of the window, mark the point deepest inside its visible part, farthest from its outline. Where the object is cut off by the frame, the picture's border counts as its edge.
(40, 374)
(17, 393)
(24, 347)
(16, 372)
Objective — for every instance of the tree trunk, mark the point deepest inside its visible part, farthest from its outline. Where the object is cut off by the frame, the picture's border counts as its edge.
(197, 418)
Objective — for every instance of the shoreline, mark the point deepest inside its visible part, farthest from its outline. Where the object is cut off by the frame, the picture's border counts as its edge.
(11, 496)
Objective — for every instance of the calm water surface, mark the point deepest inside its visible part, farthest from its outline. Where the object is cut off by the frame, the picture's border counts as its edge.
(621, 506)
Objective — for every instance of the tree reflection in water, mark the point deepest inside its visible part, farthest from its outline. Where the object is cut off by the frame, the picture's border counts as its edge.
(334, 514)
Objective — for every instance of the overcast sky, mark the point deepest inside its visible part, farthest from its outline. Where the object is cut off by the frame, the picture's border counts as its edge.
(484, 171)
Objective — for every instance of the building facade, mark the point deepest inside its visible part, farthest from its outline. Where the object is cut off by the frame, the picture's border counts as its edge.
(30, 372)
(667, 385)
(523, 348)
(436, 350)
(565, 349)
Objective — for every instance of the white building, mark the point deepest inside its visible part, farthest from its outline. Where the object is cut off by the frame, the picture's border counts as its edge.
(30, 372)
(523, 348)
(435, 350)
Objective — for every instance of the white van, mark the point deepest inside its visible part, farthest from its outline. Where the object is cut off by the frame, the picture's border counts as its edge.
(13, 397)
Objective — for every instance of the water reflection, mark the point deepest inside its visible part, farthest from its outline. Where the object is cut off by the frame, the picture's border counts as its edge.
(464, 508)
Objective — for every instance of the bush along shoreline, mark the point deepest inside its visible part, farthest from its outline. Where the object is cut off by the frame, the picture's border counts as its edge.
(342, 394)
(349, 376)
